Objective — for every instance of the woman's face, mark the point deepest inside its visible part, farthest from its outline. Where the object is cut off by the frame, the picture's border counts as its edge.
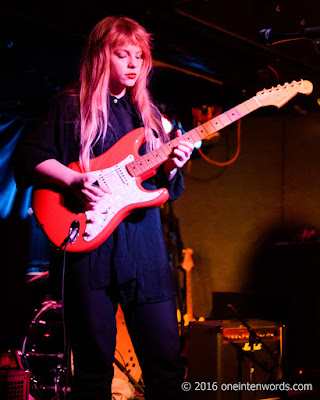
(125, 67)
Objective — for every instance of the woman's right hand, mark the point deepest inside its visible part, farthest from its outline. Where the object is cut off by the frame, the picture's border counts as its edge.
(87, 190)
(84, 185)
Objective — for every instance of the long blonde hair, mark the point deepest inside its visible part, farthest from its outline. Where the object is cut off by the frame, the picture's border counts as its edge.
(94, 84)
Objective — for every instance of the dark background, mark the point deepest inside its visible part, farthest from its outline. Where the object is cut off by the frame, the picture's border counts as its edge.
(41, 46)
(206, 53)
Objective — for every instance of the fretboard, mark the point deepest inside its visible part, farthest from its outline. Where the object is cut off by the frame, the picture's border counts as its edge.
(152, 160)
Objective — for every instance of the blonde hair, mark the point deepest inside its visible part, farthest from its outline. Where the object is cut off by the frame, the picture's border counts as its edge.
(94, 80)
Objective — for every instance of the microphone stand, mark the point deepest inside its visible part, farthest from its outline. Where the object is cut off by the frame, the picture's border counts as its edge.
(253, 339)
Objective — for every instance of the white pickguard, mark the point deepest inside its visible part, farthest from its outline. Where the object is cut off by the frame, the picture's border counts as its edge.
(124, 192)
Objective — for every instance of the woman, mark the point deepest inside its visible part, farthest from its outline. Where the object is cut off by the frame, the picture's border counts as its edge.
(131, 266)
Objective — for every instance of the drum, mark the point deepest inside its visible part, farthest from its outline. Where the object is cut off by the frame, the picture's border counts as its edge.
(43, 349)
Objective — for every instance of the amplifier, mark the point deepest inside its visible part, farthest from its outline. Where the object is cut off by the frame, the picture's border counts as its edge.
(232, 331)
(14, 384)
(14, 381)
(221, 355)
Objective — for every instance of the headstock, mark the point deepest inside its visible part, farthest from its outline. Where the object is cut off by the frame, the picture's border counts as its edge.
(187, 263)
(281, 94)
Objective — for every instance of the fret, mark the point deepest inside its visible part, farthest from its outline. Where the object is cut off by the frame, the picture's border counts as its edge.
(155, 160)
(137, 165)
(160, 154)
(173, 143)
(150, 161)
(166, 150)
(146, 160)
(217, 124)
(168, 147)
(224, 119)
(157, 156)
(193, 132)
(189, 137)
(209, 127)
(133, 168)
(147, 163)
(233, 114)
(252, 104)
(243, 109)
(140, 164)
(201, 131)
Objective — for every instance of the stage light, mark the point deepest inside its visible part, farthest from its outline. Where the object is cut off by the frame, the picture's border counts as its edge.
(167, 124)
(178, 124)
(172, 125)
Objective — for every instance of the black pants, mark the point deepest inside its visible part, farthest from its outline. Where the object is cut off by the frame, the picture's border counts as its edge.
(90, 318)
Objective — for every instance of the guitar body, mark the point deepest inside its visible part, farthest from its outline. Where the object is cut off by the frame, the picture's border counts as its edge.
(55, 215)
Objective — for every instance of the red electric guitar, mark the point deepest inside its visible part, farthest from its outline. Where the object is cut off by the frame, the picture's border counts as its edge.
(122, 171)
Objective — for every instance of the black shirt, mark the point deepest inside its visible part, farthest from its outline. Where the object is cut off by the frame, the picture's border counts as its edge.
(135, 252)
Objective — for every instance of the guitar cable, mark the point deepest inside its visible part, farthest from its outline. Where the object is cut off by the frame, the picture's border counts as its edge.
(73, 234)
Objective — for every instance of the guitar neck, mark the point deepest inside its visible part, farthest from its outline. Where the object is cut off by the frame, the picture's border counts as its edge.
(189, 303)
(152, 160)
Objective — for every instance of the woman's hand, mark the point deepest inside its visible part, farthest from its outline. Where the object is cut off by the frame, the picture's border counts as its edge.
(84, 185)
(87, 190)
(180, 155)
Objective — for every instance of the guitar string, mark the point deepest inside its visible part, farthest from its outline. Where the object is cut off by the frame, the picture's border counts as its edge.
(143, 162)
(212, 126)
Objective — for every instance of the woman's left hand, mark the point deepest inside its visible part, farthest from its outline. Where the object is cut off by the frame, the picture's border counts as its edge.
(179, 156)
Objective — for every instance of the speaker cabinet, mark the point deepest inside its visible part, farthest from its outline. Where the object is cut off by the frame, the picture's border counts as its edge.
(225, 353)
(14, 384)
